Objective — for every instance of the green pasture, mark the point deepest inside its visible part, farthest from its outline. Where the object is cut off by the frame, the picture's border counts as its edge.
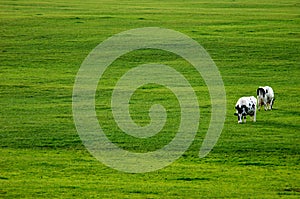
(42, 45)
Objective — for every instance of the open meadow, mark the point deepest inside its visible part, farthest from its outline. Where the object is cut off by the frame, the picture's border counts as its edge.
(42, 46)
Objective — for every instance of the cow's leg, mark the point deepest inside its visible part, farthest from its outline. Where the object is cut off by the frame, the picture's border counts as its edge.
(269, 104)
(254, 116)
(265, 106)
(244, 119)
(272, 101)
(240, 118)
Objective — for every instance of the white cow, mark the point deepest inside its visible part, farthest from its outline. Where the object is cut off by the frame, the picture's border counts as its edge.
(265, 97)
(246, 106)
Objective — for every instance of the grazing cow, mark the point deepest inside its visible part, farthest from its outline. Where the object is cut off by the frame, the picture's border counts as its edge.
(265, 97)
(246, 106)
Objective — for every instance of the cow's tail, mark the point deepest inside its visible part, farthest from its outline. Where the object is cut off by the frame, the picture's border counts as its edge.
(260, 92)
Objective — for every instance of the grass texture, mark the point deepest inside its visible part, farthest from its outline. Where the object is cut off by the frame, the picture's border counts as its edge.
(43, 43)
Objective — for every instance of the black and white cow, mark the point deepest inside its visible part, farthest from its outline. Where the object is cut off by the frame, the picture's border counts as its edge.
(265, 97)
(246, 106)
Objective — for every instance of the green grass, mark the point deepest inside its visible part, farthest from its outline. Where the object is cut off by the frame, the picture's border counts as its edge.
(43, 44)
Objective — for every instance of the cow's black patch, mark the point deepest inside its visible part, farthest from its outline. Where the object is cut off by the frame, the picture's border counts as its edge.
(261, 91)
(239, 109)
(244, 110)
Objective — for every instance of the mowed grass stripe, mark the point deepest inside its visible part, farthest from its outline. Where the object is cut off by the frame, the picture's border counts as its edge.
(253, 43)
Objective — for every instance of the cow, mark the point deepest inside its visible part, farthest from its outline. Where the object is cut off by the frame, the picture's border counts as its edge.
(246, 106)
(265, 97)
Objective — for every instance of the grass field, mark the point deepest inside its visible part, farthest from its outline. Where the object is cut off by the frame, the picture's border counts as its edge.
(43, 43)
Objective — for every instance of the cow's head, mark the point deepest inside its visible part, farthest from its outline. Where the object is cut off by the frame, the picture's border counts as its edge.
(241, 112)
